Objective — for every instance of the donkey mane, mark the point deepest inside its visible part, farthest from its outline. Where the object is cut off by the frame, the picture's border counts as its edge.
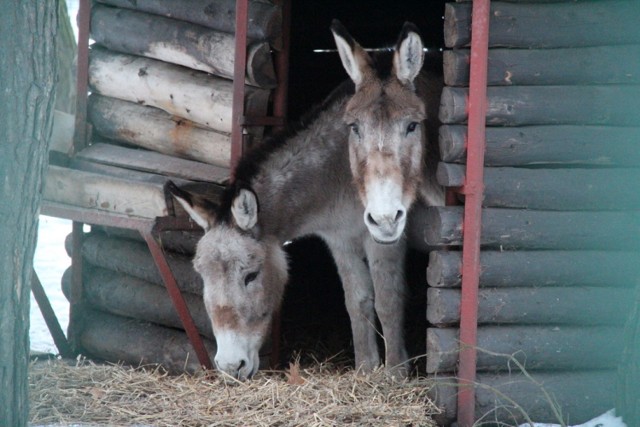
(251, 163)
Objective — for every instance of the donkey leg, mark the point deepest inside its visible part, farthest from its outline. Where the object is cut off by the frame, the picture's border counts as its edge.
(359, 300)
(386, 263)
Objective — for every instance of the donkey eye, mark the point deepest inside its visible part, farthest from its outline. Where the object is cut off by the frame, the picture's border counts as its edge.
(250, 278)
(412, 126)
(354, 128)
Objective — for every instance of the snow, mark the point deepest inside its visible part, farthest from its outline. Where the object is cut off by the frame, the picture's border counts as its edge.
(50, 261)
(608, 419)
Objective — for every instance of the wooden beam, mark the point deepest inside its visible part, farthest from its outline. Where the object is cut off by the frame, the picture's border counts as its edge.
(127, 296)
(560, 144)
(548, 105)
(580, 395)
(152, 162)
(565, 24)
(104, 193)
(157, 130)
(538, 268)
(147, 343)
(178, 42)
(536, 347)
(578, 306)
(551, 189)
(265, 19)
(568, 66)
(510, 229)
(193, 95)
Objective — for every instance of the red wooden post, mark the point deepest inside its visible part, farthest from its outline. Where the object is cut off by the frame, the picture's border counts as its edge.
(473, 190)
(178, 300)
(239, 67)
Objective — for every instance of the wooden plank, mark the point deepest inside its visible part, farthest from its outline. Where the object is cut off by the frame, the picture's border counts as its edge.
(149, 161)
(538, 268)
(569, 66)
(104, 193)
(548, 105)
(102, 336)
(578, 306)
(580, 396)
(561, 144)
(134, 259)
(179, 42)
(127, 296)
(193, 95)
(156, 130)
(565, 24)
(264, 23)
(536, 347)
(510, 229)
(551, 189)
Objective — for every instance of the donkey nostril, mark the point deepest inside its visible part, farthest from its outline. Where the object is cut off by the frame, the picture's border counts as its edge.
(399, 215)
(242, 363)
(371, 220)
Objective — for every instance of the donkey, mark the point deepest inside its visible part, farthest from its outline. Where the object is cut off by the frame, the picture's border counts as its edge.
(386, 115)
(293, 185)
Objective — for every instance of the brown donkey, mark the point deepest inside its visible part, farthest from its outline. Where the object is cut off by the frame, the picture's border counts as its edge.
(390, 114)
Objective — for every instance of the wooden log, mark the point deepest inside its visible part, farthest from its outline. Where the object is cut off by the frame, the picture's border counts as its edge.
(573, 66)
(180, 43)
(134, 259)
(548, 105)
(538, 268)
(561, 144)
(105, 193)
(119, 339)
(566, 24)
(523, 229)
(157, 130)
(536, 347)
(128, 296)
(551, 189)
(193, 95)
(182, 242)
(149, 161)
(583, 306)
(579, 395)
(265, 19)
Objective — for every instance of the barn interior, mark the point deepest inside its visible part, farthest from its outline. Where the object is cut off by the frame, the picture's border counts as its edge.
(314, 318)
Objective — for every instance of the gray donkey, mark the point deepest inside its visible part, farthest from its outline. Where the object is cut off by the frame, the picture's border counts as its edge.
(300, 184)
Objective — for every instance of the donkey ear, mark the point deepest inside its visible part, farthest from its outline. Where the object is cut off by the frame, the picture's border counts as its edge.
(245, 209)
(409, 54)
(355, 59)
(200, 209)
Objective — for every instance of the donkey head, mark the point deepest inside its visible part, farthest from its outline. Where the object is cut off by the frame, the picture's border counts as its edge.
(244, 278)
(386, 140)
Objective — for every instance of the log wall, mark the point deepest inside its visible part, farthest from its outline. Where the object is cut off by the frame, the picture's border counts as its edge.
(560, 219)
(160, 76)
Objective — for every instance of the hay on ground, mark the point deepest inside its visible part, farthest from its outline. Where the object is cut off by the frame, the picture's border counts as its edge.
(321, 395)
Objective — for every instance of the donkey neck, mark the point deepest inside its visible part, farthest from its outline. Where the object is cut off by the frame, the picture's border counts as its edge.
(307, 178)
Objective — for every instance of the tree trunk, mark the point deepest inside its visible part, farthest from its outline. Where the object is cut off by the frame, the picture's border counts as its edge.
(628, 379)
(27, 73)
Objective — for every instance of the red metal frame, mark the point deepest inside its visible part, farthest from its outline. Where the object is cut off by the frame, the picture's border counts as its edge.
(473, 190)
(239, 67)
